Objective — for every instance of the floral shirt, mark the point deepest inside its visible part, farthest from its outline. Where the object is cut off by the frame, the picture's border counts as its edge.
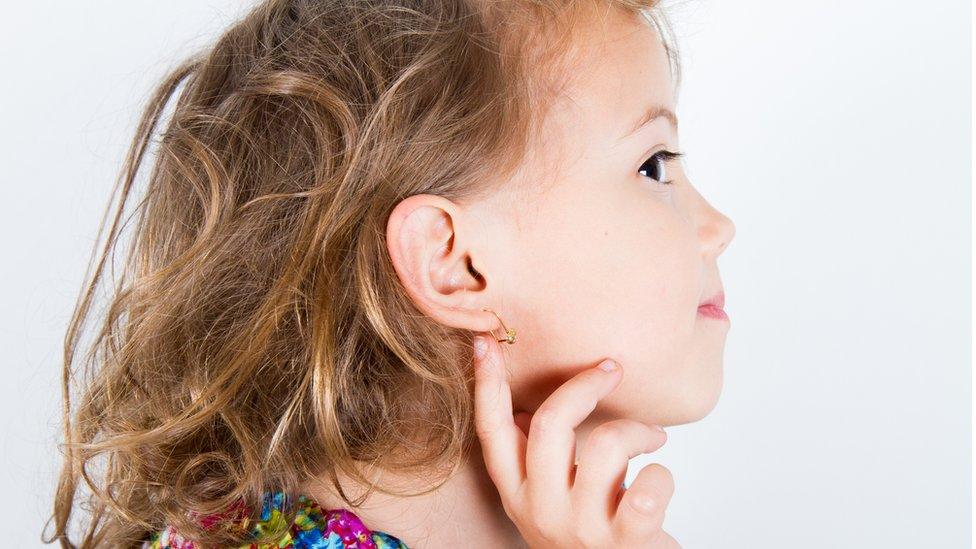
(313, 528)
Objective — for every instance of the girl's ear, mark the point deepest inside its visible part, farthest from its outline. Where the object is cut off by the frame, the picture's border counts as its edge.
(434, 259)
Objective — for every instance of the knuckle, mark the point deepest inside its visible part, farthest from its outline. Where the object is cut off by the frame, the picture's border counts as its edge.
(643, 503)
(543, 420)
(606, 436)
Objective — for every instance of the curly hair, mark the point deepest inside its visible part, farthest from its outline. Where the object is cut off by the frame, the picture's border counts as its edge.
(256, 334)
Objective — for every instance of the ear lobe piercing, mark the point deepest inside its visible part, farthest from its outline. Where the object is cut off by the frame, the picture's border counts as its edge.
(509, 334)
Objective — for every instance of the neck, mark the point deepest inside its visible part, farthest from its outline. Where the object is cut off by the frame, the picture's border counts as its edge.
(466, 511)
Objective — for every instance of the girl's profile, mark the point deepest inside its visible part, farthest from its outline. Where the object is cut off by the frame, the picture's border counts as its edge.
(402, 273)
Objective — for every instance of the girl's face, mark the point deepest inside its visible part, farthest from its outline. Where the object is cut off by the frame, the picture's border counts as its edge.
(608, 261)
(587, 254)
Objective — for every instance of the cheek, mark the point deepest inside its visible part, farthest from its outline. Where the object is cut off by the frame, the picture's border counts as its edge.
(653, 301)
(624, 285)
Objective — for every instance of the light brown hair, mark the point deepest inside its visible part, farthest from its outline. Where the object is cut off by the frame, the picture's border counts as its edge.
(256, 334)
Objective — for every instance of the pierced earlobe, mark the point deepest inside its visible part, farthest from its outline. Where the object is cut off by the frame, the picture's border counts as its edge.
(509, 334)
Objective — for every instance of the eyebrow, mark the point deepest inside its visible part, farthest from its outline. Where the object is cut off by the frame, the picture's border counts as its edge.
(650, 115)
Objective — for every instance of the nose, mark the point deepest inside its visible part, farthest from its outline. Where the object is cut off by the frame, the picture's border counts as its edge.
(715, 230)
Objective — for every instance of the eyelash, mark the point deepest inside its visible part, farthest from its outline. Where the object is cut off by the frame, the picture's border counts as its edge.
(665, 156)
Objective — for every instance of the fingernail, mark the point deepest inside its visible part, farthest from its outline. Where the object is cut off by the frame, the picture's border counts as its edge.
(480, 347)
(658, 427)
(607, 365)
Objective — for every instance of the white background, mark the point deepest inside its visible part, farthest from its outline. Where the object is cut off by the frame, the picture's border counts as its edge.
(836, 135)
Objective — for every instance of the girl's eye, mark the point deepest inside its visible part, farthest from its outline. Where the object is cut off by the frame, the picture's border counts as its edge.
(655, 165)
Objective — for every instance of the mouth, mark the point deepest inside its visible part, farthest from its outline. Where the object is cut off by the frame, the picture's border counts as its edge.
(714, 307)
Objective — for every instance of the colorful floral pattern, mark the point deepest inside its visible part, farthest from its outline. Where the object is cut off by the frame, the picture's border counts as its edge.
(313, 528)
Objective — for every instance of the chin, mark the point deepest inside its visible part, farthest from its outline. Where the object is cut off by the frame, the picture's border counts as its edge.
(697, 402)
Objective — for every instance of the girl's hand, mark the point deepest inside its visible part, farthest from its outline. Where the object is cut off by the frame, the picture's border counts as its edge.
(553, 502)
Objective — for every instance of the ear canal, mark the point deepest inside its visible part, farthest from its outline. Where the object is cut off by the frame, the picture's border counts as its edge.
(473, 272)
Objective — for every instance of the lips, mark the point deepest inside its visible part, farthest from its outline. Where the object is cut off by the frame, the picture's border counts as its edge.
(717, 300)
(714, 307)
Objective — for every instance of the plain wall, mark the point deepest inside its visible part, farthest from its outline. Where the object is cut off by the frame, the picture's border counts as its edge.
(835, 134)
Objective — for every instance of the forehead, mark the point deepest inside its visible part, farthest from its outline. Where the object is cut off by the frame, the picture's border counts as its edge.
(619, 66)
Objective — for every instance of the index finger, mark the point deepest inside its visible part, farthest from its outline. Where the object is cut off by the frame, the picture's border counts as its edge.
(502, 442)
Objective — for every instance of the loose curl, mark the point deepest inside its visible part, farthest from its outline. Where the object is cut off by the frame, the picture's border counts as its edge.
(257, 335)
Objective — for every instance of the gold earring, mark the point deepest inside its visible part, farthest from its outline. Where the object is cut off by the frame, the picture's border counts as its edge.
(509, 334)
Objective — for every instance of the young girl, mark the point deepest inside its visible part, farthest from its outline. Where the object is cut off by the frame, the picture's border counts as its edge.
(345, 195)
